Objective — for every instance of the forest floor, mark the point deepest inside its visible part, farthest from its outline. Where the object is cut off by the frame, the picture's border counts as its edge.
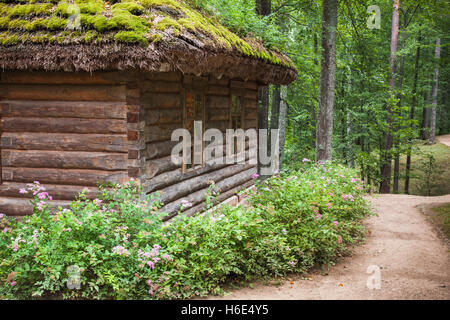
(413, 257)
(440, 179)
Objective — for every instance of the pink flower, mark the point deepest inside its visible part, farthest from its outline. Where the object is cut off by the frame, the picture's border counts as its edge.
(284, 231)
(150, 292)
(186, 204)
(339, 240)
(166, 257)
(23, 191)
(43, 195)
(97, 202)
(40, 205)
(306, 160)
(318, 216)
(151, 264)
(149, 282)
(255, 175)
(335, 223)
(329, 205)
(13, 283)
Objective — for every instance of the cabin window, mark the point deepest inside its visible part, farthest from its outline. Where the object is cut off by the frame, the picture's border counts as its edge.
(236, 117)
(194, 111)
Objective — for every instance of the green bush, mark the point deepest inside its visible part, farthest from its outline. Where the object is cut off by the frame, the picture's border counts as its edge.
(119, 247)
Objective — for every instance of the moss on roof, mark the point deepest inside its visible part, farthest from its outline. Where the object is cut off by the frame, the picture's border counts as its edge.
(127, 21)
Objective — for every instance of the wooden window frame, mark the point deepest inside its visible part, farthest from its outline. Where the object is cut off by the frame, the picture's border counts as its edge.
(194, 91)
(233, 115)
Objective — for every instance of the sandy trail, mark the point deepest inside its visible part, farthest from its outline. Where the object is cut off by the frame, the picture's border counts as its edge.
(414, 262)
(445, 139)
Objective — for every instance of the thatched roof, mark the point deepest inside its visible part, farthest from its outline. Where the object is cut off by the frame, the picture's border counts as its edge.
(150, 35)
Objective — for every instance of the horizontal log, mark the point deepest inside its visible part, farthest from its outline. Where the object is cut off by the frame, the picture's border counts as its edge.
(250, 124)
(158, 166)
(80, 177)
(222, 186)
(164, 116)
(218, 90)
(246, 93)
(222, 125)
(250, 114)
(161, 100)
(218, 115)
(160, 132)
(171, 177)
(161, 86)
(58, 192)
(63, 125)
(194, 82)
(185, 187)
(64, 142)
(64, 159)
(27, 77)
(221, 198)
(163, 76)
(250, 104)
(65, 92)
(217, 102)
(244, 84)
(159, 149)
(63, 109)
(219, 82)
(23, 207)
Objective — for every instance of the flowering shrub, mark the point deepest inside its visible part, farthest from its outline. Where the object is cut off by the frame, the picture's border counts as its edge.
(120, 248)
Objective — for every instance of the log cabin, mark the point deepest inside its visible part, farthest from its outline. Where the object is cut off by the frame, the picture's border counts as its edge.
(90, 92)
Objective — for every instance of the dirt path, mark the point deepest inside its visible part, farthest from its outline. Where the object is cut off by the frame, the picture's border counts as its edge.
(414, 262)
(445, 139)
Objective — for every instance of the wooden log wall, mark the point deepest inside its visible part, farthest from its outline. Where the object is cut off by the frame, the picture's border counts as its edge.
(68, 131)
(161, 100)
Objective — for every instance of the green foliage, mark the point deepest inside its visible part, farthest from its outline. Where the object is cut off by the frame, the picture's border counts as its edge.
(123, 250)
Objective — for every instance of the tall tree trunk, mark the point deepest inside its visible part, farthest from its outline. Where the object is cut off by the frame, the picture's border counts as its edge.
(400, 95)
(263, 8)
(385, 186)
(313, 107)
(435, 93)
(349, 126)
(424, 132)
(411, 116)
(282, 121)
(327, 81)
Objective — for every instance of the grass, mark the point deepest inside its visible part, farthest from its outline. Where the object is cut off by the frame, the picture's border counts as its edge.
(441, 179)
(441, 218)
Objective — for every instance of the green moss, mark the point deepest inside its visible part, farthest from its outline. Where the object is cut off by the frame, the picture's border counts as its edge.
(90, 36)
(158, 3)
(167, 22)
(4, 22)
(55, 23)
(131, 7)
(130, 37)
(156, 37)
(189, 25)
(132, 19)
